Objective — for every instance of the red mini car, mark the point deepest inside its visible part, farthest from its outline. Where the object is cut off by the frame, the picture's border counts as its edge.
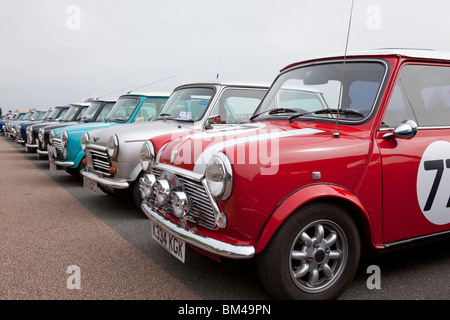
(343, 154)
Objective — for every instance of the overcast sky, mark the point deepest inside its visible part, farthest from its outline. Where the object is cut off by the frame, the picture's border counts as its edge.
(56, 52)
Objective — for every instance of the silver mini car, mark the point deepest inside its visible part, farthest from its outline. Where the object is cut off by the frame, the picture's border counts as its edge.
(112, 154)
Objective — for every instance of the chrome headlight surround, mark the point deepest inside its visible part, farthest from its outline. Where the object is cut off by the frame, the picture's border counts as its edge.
(51, 135)
(113, 147)
(219, 176)
(64, 139)
(147, 156)
(84, 141)
(41, 135)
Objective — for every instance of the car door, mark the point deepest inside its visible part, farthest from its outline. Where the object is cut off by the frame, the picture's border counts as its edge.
(416, 170)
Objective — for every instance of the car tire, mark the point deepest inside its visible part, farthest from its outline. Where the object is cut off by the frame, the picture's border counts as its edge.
(313, 255)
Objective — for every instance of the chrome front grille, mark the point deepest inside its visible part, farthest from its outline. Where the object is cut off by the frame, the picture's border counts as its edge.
(100, 161)
(59, 149)
(201, 210)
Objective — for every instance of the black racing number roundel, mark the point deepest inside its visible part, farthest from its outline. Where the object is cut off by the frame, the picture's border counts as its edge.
(433, 183)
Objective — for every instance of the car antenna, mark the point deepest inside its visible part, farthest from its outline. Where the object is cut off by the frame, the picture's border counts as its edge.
(218, 69)
(336, 133)
(148, 84)
(114, 92)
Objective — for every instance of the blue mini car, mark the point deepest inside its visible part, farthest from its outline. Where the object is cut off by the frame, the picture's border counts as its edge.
(64, 149)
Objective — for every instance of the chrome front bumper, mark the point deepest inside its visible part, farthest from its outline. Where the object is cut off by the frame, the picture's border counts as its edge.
(112, 183)
(198, 240)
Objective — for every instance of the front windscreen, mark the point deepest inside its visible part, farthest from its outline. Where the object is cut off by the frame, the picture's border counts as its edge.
(91, 111)
(188, 104)
(123, 109)
(70, 114)
(317, 91)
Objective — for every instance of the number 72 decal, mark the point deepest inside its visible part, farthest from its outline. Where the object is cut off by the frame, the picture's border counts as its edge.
(433, 183)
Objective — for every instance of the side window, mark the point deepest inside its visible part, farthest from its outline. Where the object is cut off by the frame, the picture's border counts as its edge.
(237, 106)
(425, 91)
(148, 111)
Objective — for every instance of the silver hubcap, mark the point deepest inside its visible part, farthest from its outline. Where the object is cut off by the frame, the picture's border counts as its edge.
(318, 256)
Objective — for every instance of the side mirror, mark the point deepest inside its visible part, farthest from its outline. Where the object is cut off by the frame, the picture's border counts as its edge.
(212, 120)
(406, 130)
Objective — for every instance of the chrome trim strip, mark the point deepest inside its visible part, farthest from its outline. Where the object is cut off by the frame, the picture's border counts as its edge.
(418, 128)
(96, 147)
(31, 145)
(197, 240)
(115, 184)
(406, 241)
(177, 170)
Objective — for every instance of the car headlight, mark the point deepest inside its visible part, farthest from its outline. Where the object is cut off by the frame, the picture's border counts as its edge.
(219, 176)
(64, 139)
(51, 135)
(84, 140)
(147, 156)
(41, 135)
(113, 146)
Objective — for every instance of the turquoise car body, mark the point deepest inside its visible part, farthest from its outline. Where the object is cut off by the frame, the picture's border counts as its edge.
(65, 148)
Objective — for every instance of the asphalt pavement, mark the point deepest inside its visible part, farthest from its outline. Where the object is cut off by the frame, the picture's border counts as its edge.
(60, 241)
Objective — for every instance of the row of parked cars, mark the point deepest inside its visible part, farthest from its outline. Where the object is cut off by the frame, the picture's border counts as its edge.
(341, 156)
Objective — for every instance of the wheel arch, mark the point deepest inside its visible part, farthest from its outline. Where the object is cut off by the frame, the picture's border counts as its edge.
(313, 194)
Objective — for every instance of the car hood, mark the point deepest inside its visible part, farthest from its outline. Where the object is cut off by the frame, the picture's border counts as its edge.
(260, 144)
(83, 127)
(139, 131)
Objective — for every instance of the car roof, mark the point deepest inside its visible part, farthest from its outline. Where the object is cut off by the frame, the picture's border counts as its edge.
(430, 54)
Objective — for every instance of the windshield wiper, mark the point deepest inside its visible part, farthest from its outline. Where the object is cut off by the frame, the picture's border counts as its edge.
(273, 111)
(347, 112)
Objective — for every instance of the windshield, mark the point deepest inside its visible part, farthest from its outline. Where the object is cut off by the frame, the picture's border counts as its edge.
(52, 115)
(123, 109)
(104, 112)
(70, 114)
(91, 111)
(46, 115)
(318, 87)
(189, 104)
(41, 115)
(81, 112)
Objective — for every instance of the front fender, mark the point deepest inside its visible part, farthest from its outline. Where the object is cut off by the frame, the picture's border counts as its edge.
(305, 195)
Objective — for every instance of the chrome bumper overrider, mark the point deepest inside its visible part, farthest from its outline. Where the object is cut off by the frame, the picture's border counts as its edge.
(42, 152)
(115, 184)
(31, 146)
(197, 240)
(63, 163)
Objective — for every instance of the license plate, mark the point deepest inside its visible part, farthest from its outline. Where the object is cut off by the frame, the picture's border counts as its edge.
(53, 167)
(175, 246)
(89, 184)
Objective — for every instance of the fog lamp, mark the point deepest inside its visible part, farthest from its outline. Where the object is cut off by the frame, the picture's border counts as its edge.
(161, 188)
(146, 186)
(180, 203)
